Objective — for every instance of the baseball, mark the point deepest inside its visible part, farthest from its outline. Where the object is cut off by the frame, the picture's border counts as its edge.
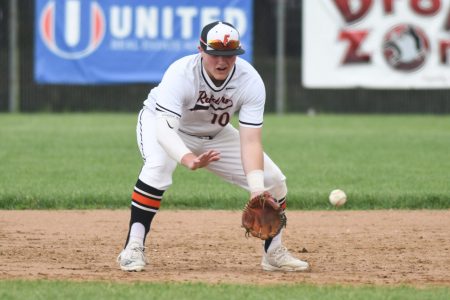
(337, 197)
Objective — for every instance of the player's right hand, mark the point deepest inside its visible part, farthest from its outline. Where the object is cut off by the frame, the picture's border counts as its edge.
(193, 162)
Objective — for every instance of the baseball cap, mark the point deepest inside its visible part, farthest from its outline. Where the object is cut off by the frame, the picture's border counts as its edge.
(221, 38)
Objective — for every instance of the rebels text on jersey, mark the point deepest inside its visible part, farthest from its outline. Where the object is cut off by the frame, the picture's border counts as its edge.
(187, 92)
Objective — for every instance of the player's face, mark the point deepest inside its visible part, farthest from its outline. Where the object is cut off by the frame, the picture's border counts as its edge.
(218, 67)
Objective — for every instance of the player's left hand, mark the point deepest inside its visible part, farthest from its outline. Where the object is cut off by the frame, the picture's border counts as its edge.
(193, 162)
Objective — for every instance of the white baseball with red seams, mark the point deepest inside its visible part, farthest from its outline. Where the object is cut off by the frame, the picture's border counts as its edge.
(337, 197)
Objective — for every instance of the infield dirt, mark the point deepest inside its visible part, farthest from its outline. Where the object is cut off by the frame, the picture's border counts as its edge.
(344, 247)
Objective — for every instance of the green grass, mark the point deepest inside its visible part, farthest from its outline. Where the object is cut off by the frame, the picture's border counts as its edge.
(47, 290)
(92, 161)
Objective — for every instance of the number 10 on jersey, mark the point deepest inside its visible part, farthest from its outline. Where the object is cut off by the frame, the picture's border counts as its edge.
(221, 119)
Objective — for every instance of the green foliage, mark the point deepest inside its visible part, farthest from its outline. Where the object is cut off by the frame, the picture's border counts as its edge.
(92, 161)
(47, 290)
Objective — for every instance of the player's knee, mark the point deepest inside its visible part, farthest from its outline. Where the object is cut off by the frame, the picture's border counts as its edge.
(159, 177)
(275, 181)
(279, 191)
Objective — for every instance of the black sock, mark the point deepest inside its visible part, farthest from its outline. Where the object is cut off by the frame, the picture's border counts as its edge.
(140, 216)
(145, 203)
(267, 244)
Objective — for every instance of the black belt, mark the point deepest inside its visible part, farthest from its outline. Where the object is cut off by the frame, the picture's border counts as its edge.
(204, 137)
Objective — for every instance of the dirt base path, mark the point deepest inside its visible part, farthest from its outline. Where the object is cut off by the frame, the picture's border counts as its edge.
(343, 247)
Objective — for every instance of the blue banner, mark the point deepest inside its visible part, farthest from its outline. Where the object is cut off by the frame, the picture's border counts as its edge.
(113, 41)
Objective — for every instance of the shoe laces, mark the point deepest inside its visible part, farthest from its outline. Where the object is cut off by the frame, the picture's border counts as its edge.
(133, 251)
(282, 253)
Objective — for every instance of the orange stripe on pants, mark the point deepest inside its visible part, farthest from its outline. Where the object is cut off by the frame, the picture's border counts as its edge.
(145, 200)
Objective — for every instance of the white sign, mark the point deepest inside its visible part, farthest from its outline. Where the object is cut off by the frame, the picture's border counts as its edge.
(397, 44)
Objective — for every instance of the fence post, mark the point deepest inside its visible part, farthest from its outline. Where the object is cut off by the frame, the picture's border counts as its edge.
(14, 78)
(280, 69)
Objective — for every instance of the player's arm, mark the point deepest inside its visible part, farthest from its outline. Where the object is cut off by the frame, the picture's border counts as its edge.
(166, 133)
(252, 158)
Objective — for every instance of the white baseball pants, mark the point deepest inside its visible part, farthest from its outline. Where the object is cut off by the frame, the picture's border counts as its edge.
(158, 166)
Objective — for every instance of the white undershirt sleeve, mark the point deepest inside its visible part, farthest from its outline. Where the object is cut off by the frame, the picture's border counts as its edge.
(167, 136)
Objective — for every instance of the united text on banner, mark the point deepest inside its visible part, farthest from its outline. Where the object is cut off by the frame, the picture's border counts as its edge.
(124, 41)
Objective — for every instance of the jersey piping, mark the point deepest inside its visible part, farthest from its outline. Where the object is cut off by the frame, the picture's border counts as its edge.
(250, 124)
(163, 109)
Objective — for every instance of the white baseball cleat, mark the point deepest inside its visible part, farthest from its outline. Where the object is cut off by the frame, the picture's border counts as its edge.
(132, 258)
(279, 259)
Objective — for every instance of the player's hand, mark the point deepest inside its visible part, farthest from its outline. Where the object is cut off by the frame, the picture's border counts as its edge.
(193, 162)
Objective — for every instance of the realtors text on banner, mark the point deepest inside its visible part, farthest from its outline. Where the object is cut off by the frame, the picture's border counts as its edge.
(113, 41)
(376, 44)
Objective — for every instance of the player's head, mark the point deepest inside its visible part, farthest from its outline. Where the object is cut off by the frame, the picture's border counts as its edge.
(219, 45)
(220, 39)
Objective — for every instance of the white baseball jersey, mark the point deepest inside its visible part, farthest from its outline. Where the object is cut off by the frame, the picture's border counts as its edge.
(187, 92)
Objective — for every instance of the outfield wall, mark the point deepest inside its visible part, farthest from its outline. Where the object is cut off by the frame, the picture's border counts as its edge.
(129, 97)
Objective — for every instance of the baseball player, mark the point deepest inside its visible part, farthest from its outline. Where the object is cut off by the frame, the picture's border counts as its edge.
(185, 120)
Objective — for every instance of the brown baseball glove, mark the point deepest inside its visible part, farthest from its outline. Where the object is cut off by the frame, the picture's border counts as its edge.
(263, 217)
